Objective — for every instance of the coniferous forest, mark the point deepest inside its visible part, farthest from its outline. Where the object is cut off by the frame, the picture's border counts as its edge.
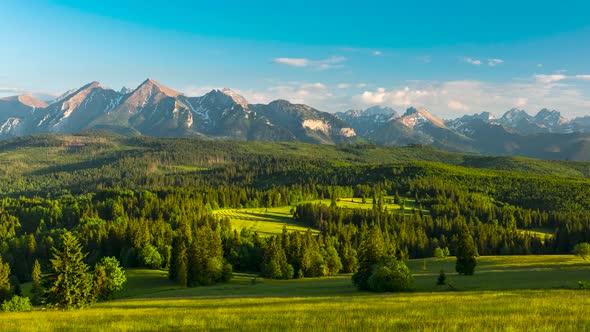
(150, 202)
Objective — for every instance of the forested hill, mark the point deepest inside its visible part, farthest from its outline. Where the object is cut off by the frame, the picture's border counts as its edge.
(38, 165)
(149, 201)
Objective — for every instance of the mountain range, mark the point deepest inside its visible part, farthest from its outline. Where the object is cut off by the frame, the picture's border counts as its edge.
(153, 109)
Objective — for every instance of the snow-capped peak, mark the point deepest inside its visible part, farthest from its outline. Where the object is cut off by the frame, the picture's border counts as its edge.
(237, 98)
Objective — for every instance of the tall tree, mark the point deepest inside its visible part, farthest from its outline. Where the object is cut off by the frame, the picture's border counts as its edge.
(466, 253)
(4, 281)
(371, 251)
(68, 284)
(36, 289)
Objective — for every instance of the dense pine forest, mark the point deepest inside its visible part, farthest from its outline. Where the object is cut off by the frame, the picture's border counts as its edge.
(149, 202)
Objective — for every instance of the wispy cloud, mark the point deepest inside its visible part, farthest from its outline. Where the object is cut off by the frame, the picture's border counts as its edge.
(377, 53)
(552, 78)
(343, 86)
(472, 61)
(293, 62)
(332, 62)
(494, 62)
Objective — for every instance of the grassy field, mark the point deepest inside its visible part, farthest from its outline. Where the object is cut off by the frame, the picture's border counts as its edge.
(264, 221)
(506, 293)
(268, 221)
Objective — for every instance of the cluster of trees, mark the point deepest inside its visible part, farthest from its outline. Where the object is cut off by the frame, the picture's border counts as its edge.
(197, 256)
(69, 283)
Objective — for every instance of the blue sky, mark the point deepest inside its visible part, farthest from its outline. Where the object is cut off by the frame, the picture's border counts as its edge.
(451, 57)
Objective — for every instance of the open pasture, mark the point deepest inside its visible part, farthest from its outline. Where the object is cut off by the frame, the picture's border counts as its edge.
(506, 293)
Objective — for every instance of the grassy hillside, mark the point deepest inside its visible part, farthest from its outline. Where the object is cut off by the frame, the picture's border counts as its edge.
(268, 221)
(507, 293)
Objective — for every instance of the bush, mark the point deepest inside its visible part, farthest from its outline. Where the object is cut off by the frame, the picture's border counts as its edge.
(150, 257)
(390, 275)
(109, 278)
(583, 285)
(582, 250)
(17, 303)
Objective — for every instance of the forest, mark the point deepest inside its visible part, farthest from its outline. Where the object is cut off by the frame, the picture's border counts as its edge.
(149, 203)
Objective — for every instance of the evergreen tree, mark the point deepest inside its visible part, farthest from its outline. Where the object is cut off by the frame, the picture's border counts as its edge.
(5, 286)
(466, 253)
(36, 289)
(68, 283)
(178, 261)
(442, 278)
(371, 251)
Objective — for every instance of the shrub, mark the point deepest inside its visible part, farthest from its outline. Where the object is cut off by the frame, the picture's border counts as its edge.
(150, 257)
(582, 250)
(109, 278)
(390, 275)
(17, 303)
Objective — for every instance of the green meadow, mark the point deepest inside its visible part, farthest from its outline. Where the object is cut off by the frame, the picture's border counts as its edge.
(506, 293)
(268, 221)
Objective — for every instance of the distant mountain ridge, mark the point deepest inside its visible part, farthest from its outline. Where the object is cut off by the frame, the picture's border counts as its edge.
(152, 109)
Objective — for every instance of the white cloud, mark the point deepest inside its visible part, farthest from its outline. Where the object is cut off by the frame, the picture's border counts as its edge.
(343, 86)
(361, 85)
(539, 65)
(293, 62)
(472, 61)
(559, 77)
(332, 62)
(318, 86)
(377, 53)
(494, 62)
(550, 78)
(456, 105)
(401, 97)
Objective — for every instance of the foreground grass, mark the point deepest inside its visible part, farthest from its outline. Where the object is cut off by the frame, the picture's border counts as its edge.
(509, 310)
(506, 293)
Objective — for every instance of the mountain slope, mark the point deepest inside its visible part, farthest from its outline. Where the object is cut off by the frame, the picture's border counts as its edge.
(306, 123)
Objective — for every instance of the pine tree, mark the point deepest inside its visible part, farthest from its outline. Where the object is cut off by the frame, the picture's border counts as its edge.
(466, 253)
(36, 289)
(4, 281)
(68, 284)
(371, 251)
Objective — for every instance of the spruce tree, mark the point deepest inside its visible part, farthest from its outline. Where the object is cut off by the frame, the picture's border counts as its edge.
(36, 289)
(371, 251)
(466, 253)
(68, 283)
(4, 281)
